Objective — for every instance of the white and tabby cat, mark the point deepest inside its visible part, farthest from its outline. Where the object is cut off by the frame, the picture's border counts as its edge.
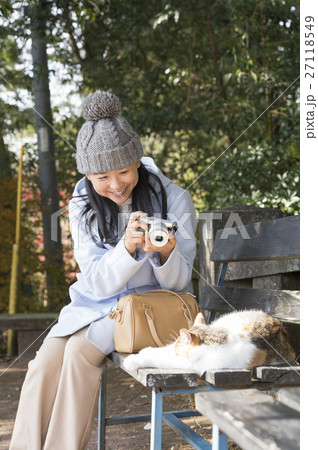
(238, 340)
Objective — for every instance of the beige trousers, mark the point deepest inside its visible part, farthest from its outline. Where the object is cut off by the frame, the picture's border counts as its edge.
(59, 396)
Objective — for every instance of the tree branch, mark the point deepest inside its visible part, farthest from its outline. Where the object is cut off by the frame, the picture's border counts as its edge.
(69, 29)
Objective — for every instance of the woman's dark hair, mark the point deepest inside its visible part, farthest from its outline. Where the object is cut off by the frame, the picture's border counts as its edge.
(149, 195)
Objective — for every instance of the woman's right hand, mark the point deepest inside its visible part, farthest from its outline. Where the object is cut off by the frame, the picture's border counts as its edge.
(132, 236)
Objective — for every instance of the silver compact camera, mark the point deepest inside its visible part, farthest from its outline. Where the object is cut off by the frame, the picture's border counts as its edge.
(158, 229)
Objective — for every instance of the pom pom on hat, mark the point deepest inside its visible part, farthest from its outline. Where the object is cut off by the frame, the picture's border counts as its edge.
(101, 105)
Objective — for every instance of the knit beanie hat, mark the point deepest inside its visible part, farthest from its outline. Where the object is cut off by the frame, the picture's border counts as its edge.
(106, 141)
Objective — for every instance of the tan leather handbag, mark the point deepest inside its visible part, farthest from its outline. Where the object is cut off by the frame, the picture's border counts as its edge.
(152, 319)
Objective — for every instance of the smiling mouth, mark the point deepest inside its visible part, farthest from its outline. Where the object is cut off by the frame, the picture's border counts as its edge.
(119, 193)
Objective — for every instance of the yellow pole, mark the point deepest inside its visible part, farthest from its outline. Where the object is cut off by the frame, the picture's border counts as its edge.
(14, 281)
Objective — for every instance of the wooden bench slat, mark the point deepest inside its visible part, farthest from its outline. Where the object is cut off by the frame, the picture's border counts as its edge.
(287, 375)
(179, 378)
(29, 321)
(168, 378)
(163, 378)
(269, 240)
(228, 377)
(246, 269)
(255, 421)
(284, 305)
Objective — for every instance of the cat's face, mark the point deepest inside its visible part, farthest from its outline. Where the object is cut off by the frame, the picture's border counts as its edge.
(185, 342)
(199, 334)
(189, 338)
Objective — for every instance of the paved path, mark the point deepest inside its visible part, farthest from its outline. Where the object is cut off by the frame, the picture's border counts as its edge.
(124, 395)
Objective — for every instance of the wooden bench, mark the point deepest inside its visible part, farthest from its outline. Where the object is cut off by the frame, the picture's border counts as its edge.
(275, 240)
(32, 329)
(253, 419)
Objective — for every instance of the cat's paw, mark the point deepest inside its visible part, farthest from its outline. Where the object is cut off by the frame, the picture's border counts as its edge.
(132, 362)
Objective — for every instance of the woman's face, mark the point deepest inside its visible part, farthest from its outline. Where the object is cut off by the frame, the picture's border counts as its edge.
(116, 185)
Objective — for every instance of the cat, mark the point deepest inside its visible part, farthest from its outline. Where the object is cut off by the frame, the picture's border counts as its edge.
(238, 340)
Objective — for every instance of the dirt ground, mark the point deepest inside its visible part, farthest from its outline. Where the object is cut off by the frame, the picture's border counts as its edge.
(125, 396)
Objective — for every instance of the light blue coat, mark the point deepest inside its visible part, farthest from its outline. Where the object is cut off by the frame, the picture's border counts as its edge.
(109, 273)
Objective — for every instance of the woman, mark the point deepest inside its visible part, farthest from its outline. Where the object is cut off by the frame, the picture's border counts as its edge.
(115, 256)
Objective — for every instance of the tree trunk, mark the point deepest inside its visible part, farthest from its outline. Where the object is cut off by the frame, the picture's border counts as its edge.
(47, 169)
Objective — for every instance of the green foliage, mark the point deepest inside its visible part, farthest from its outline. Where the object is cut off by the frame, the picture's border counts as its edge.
(261, 175)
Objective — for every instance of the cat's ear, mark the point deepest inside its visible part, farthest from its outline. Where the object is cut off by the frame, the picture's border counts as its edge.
(185, 336)
(199, 320)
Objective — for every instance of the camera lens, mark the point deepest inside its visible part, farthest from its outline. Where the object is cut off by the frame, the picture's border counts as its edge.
(158, 233)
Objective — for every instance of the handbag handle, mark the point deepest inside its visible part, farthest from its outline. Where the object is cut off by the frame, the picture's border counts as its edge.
(150, 318)
(151, 324)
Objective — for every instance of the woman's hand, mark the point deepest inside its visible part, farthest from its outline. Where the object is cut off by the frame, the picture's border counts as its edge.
(164, 251)
(132, 236)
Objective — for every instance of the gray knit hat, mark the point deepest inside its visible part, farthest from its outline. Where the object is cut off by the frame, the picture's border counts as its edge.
(106, 141)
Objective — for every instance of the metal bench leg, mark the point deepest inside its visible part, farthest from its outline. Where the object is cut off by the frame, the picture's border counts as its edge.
(219, 440)
(156, 419)
(102, 412)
